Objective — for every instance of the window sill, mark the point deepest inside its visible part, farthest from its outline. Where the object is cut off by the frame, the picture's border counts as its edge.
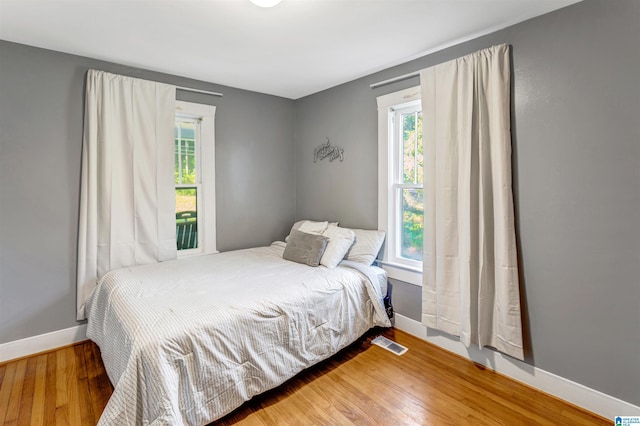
(401, 272)
(182, 254)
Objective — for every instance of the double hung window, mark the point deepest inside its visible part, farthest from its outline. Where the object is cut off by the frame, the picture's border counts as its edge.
(400, 183)
(187, 181)
(194, 178)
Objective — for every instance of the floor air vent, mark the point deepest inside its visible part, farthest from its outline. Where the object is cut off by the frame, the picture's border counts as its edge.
(389, 345)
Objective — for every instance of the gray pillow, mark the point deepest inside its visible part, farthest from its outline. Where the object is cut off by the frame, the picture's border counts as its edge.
(305, 248)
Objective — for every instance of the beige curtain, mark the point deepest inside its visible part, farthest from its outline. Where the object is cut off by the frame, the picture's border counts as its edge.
(127, 200)
(470, 274)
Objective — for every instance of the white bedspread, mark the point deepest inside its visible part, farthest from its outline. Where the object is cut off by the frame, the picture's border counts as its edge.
(188, 341)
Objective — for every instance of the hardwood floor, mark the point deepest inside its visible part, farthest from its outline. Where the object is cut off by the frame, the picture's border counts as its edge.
(68, 386)
(363, 385)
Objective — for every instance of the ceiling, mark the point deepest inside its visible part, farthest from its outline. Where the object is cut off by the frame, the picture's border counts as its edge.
(292, 50)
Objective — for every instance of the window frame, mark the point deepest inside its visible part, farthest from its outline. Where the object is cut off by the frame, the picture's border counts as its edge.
(389, 204)
(205, 174)
(197, 121)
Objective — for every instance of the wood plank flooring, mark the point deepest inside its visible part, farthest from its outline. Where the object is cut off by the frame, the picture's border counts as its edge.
(362, 385)
(68, 386)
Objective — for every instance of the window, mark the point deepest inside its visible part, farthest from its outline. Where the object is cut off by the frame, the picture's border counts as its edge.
(194, 178)
(400, 183)
(188, 181)
(407, 181)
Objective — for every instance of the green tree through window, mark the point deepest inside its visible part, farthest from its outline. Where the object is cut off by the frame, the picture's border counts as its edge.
(187, 182)
(410, 187)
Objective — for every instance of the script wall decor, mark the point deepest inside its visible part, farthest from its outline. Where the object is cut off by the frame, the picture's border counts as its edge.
(325, 150)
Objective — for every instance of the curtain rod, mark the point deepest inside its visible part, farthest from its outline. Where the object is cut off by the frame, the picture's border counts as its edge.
(206, 92)
(395, 79)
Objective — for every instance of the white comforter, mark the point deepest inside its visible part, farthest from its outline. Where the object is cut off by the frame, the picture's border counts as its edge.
(188, 341)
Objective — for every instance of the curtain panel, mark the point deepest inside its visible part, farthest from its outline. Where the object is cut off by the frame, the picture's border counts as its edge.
(471, 286)
(127, 199)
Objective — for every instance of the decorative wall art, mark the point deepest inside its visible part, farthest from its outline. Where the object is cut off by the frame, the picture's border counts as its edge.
(325, 150)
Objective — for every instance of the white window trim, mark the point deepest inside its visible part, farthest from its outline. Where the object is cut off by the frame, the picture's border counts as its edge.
(206, 199)
(396, 270)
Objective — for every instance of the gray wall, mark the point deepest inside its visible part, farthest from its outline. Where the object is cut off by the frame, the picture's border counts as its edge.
(41, 117)
(576, 139)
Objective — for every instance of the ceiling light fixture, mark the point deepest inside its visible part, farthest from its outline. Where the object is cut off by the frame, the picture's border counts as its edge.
(265, 3)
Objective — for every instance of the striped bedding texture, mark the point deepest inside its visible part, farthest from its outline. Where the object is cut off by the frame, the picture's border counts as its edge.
(186, 342)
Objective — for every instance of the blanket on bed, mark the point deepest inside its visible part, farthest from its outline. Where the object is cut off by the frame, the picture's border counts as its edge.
(188, 341)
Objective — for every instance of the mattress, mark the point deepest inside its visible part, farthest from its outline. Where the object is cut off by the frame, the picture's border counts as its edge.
(188, 341)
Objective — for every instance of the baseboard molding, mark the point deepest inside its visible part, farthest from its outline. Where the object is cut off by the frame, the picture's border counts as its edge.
(42, 342)
(575, 393)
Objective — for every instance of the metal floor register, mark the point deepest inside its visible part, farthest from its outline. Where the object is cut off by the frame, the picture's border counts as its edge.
(389, 345)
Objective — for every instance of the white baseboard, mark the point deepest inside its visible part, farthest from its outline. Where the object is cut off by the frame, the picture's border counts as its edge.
(575, 393)
(42, 342)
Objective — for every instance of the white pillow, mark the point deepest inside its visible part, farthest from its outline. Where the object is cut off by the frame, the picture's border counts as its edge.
(308, 226)
(366, 246)
(311, 227)
(340, 241)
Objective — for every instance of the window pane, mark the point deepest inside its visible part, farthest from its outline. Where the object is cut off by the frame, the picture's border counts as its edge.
(185, 152)
(408, 147)
(412, 224)
(412, 158)
(186, 218)
(419, 152)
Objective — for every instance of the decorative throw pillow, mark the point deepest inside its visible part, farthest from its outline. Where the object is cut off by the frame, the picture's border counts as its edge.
(340, 241)
(305, 248)
(366, 246)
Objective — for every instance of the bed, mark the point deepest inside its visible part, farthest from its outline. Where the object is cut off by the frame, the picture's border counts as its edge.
(188, 341)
